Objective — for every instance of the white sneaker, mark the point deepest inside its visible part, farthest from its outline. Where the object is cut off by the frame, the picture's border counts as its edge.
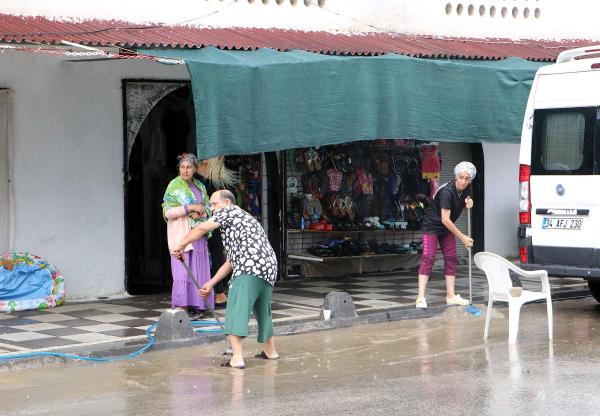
(421, 303)
(457, 301)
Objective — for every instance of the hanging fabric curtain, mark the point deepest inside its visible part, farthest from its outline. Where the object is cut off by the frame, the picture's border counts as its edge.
(264, 100)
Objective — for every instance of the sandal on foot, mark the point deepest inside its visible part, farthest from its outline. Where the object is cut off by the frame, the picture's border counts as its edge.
(228, 364)
(421, 304)
(457, 301)
(264, 356)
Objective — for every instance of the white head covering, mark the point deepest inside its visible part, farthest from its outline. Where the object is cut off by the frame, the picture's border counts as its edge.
(467, 167)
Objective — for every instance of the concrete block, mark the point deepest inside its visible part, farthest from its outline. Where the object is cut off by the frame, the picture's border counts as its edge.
(340, 304)
(173, 325)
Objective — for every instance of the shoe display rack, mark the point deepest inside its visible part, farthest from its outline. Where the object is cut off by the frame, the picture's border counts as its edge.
(354, 252)
(356, 208)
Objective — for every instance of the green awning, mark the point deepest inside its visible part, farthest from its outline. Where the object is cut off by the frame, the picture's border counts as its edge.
(264, 100)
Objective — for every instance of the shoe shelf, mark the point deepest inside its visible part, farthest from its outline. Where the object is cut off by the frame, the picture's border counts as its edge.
(337, 232)
(312, 257)
(299, 241)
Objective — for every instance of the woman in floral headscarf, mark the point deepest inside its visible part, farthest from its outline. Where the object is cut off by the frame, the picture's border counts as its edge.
(438, 228)
(185, 205)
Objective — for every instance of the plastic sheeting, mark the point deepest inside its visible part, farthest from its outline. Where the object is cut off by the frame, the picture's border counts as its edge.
(264, 100)
(29, 282)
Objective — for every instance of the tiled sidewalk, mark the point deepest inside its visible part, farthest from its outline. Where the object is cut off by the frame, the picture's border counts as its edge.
(103, 322)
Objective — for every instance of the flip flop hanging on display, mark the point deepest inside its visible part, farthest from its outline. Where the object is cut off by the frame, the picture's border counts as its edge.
(29, 282)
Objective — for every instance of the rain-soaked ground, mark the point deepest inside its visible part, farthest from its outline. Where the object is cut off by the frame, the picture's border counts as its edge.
(437, 366)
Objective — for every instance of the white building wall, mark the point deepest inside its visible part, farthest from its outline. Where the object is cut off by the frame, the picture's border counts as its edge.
(515, 19)
(501, 198)
(68, 163)
(5, 176)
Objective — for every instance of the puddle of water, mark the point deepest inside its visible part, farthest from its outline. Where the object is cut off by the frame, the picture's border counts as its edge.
(430, 351)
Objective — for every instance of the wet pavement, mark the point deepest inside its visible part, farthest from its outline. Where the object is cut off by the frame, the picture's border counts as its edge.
(438, 365)
(108, 324)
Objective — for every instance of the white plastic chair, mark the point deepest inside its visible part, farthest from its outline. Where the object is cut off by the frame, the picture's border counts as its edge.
(496, 270)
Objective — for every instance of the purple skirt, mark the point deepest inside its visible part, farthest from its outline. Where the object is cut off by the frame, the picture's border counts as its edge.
(184, 291)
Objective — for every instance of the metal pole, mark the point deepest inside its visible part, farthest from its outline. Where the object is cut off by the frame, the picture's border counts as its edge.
(469, 250)
(210, 309)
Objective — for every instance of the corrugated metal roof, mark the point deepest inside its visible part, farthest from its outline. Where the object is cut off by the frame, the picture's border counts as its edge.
(39, 30)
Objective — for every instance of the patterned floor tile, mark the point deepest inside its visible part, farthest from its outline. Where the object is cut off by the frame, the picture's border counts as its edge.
(72, 323)
(372, 296)
(101, 327)
(155, 319)
(23, 336)
(84, 313)
(320, 289)
(13, 348)
(47, 343)
(74, 307)
(143, 327)
(51, 317)
(61, 332)
(145, 313)
(120, 308)
(126, 332)
(17, 321)
(376, 303)
(9, 329)
(91, 337)
(41, 326)
(109, 317)
(133, 322)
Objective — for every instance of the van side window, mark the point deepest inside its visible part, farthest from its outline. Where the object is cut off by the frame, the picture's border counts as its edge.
(563, 142)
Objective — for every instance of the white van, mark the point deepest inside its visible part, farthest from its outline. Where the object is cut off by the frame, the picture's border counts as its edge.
(559, 172)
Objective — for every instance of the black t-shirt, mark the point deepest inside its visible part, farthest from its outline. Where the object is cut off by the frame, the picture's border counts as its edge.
(446, 197)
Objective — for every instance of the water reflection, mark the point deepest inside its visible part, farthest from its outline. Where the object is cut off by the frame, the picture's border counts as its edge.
(427, 363)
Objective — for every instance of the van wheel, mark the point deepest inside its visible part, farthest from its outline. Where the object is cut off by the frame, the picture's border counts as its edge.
(594, 286)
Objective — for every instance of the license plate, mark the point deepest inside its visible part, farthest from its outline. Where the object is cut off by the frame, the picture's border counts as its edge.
(562, 223)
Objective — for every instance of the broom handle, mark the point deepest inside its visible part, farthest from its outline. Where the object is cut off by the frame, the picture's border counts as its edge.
(210, 309)
(469, 251)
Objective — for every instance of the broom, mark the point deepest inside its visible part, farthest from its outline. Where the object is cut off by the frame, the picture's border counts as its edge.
(229, 350)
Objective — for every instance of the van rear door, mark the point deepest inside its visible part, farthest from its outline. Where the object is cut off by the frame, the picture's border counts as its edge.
(565, 187)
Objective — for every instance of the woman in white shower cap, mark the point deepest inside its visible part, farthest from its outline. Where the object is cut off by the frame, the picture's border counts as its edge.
(438, 228)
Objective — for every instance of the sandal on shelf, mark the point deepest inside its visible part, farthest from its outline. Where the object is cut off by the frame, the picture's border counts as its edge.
(349, 210)
(317, 157)
(317, 209)
(264, 356)
(311, 159)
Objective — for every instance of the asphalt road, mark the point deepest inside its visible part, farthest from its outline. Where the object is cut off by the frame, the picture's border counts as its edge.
(431, 366)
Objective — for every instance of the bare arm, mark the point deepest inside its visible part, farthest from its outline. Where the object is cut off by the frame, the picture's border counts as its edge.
(467, 241)
(181, 211)
(223, 271)
(196, 234)
(176, 212)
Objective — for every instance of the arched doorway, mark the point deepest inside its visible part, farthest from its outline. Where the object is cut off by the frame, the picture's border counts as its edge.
(167, 131)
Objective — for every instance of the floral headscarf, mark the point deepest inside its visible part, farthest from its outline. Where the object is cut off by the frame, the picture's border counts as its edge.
(187, 157)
